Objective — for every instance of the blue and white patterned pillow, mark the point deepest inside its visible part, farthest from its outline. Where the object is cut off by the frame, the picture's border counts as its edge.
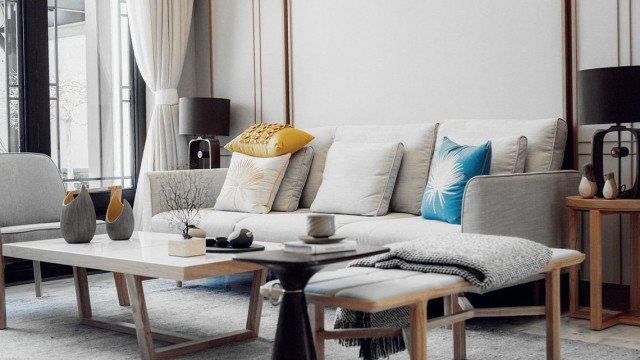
(452, 167)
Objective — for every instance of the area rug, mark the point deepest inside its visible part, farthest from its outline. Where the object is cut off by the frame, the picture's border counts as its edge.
(47, 328)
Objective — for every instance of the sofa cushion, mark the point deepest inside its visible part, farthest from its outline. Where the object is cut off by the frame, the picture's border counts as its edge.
(546, 138)
(252, 183)
(358, 178)
(323, 138)
(391, 230)
(215, 223)
(419, 143)
(288, 197)
(282, 227)
(41, 231)
(508, 153)
(452, 167)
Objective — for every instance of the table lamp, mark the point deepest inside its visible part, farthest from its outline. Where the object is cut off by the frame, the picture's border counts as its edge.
(611, 96)
(204, 117)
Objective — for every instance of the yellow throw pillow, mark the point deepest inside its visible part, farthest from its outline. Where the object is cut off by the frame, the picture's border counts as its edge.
(269, 140)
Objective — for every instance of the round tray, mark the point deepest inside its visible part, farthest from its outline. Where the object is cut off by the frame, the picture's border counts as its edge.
(253, 247)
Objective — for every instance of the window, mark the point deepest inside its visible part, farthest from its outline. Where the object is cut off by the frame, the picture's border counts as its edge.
(78, 103)
(9, 74)
(89, 74)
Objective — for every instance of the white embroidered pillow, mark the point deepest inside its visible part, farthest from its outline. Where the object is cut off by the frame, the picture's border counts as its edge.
(252, 183)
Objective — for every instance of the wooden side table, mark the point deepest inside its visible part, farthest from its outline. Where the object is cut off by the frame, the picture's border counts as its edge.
(597, 208)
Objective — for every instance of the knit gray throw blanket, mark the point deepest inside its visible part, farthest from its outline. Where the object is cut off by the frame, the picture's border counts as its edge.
(486, 261)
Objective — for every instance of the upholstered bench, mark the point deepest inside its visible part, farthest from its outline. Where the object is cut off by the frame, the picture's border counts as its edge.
(374, 290)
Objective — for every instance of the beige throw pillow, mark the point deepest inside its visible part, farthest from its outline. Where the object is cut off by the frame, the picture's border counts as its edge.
(359, 178)
(251, 183)
(295, 177)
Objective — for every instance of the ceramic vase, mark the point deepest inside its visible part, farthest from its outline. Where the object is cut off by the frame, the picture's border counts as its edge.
(119, 219)
(78, 218)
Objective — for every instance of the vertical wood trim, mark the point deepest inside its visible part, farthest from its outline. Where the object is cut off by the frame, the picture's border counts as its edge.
(255, 40)
(288, 86)
(211, 49)
(569, 69)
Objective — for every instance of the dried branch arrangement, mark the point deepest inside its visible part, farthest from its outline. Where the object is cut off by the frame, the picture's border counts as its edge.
(184, 194)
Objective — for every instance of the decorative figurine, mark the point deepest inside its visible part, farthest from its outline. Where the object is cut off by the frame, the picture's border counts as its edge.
(610, 190)
(240, 239)
(588, 187)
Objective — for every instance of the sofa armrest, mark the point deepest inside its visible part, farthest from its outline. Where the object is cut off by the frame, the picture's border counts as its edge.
(531, 205)
(212, 178)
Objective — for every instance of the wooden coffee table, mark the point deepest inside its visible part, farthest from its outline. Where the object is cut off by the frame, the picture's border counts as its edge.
(143, 257)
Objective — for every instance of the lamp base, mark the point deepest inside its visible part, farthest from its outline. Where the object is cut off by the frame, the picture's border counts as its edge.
(204, 153)
(597, 156)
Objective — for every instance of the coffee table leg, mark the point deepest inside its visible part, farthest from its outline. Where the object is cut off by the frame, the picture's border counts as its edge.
(255, 301)
(140, 316)
(121, 289)
(82, 292)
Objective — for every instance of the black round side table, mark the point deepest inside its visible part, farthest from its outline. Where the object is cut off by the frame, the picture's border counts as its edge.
(294, 340)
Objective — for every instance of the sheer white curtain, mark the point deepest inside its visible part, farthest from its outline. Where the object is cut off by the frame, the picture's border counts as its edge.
(159, 33)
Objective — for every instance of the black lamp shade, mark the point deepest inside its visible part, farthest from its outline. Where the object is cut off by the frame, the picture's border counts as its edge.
(204, 116)
(609, 95)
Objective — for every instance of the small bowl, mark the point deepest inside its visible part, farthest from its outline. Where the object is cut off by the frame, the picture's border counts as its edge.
(222, 242)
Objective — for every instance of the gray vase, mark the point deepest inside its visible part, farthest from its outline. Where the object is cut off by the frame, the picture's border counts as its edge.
(78, 218)
(120, 225)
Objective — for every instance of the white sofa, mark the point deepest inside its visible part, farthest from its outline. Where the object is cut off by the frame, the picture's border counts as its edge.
(529, 204)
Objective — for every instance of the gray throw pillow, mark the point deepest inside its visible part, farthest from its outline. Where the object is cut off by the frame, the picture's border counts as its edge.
(295, 177)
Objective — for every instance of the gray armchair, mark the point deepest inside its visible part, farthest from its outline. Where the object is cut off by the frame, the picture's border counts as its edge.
(31, 194)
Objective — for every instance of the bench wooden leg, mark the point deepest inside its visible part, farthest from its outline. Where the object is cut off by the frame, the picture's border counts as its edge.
(37, 278)
(316, 315)
(552, 305)
(446, 301)
(418, 331)
(459, 332)
(121, 288)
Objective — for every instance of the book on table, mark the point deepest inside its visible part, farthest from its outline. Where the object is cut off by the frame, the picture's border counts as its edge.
(300, 247)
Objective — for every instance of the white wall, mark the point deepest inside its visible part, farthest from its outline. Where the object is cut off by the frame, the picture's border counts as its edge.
(407, 61)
